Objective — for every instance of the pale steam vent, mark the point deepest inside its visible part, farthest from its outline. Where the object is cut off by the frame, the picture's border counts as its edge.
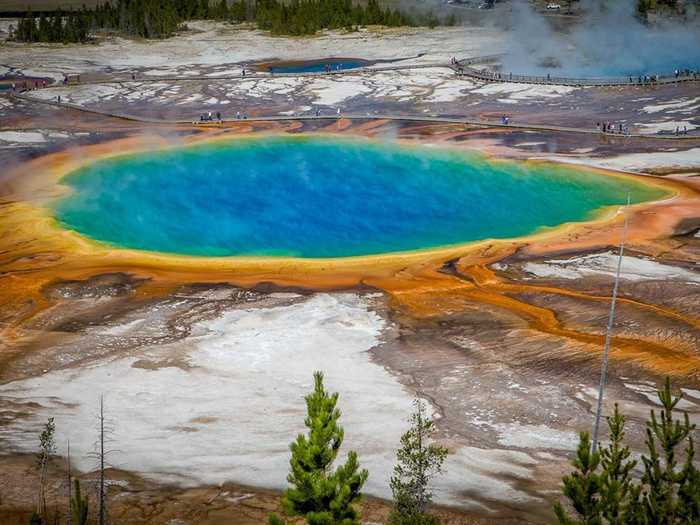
(609, 40)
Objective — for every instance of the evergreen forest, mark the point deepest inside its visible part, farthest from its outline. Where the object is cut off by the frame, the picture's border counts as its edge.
(163, 18)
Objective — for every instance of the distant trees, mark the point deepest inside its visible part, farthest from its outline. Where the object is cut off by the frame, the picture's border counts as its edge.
(69, 27)
(645, 6)
(162, 18)
(305, 17)
(602, 491)
(320, 495)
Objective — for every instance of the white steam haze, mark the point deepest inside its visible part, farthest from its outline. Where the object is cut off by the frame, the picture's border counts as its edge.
(608, 41)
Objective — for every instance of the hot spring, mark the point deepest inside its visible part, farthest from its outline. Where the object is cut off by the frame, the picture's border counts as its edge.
(320, 197)
(316, 66)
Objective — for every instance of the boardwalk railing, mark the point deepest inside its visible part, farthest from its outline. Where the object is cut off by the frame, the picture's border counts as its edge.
(493, 76)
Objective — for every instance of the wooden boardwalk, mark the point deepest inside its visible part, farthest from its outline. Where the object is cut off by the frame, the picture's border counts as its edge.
(353, 116)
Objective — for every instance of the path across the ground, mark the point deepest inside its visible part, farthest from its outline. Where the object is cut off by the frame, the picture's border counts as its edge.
(352, 116)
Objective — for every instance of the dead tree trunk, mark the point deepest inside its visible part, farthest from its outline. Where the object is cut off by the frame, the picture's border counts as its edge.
(103, 502)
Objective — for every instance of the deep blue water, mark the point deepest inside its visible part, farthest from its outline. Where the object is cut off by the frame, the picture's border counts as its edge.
(321, 197)
(317, 66)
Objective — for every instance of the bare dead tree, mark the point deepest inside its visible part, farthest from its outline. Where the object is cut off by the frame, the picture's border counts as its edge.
(101, 454)
(69, 481)
(608, 332)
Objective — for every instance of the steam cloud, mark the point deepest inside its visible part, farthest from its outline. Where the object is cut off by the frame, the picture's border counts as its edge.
(608, 41)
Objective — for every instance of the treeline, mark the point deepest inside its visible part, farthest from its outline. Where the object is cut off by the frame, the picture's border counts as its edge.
(644, 7)
(306, 17)
(61, 27)
(162, 18)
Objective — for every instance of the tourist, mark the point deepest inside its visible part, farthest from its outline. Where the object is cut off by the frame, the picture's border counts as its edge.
(218, 116)
(238, 115)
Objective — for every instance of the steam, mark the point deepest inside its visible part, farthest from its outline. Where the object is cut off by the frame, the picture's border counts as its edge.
(608, 41)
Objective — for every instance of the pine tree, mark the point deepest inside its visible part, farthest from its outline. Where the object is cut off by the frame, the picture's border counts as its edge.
(78, 507)
(616, 481)
(57, 27)
(582, 487)
(221, 12)
(669, 490)
(418, 462)
(318, 494)
(44, 29)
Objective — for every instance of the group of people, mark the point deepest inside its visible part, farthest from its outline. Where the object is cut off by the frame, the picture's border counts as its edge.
(678, 73)
(209, 117)
(623, 129)
(217, 117)
(645, 79)
(610, 127)
(641, 79)
(328, 67)
(686, 73)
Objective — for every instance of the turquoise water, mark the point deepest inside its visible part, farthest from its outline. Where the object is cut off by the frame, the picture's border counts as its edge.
(321, 197)
(318, 66)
